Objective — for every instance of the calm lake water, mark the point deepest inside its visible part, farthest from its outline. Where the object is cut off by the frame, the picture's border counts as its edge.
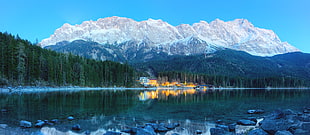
(110, 108)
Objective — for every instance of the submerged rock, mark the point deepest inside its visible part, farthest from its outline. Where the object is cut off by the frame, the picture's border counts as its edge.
(198, 132)
(148, 130)
(3, 125)
(257, 132)
(4, 110)
(70, 118)
(246, 122)
(283, 133)
(258, 111)
(273, 125)
(232, 127)
(286, 120)
(226, 128)
(219, 131)
(76, 127)
(55, 121)
(40, 124)
(25, 124)
(112, 133)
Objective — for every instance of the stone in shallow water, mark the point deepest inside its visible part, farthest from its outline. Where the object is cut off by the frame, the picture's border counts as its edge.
(232, 127)
(54, 121)
(273, 125)
(40, 124)
(283, 133)
(217, 131)
(198, 132)
(4, 110)
(252, 119)
(257, 132)
(226, 128)
(246, 122)
(3, 125)
(161, 129)
(112, 133)
(148, 130)
(70, 118)
(76, 127)
(25, 124)
(258, 111)
(172, 125)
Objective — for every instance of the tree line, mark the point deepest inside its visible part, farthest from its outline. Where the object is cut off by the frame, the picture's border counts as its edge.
(23, 63)
(227, 81)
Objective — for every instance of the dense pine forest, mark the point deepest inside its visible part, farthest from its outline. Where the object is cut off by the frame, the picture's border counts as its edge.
(227, 81)
(23, 63)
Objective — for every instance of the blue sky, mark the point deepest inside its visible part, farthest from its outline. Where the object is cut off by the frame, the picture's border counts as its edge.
(38, 19)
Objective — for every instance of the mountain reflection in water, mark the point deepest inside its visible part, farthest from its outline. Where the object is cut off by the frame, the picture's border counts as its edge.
(100, 106)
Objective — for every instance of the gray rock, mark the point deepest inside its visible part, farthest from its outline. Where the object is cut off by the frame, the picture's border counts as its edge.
(25, 124)
(87, 132)
(217, 131)
(70, 118)
(251, 111)
(37, 133)
(232, 127)
(306, 111)
(112, 133)
(223, 127)
(219, 122)
(3, 126)
(161, 129)
(252, 119)
(55, 121)
(198, 132)
(273, 125)
(127, 131)
(170, 126)
(40, 124)
(289, 112)
(305, 126)
(76, 127)
(283, 133)
(257, 132)
(4, 110)
(278, 114)
(246, 122)
(148, 130)
(258, 111)
(301, 132)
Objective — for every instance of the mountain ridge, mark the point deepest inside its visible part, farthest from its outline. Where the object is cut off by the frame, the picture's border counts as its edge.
(158, 35)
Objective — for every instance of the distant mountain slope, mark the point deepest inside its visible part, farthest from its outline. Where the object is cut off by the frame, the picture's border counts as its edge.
(235, 64)
(158, 36)
(89, 50)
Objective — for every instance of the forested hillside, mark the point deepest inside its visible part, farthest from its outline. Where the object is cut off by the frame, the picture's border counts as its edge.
(22, 63)
(233, 68)
(229, 81)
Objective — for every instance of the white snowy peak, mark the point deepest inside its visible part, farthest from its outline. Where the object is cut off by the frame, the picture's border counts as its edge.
(238, 34)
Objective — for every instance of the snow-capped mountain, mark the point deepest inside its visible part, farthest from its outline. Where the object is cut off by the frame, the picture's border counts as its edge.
(134, 37)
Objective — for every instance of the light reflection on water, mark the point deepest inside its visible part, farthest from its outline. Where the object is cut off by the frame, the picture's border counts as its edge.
(163, 93)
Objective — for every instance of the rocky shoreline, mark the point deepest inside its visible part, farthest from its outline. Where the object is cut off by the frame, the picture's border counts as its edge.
(278, 122)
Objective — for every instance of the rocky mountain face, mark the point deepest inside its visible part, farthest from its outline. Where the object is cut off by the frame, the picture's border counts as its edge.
(149, 39)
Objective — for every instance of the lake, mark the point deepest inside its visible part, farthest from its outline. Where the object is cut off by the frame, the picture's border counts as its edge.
(95, 109)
